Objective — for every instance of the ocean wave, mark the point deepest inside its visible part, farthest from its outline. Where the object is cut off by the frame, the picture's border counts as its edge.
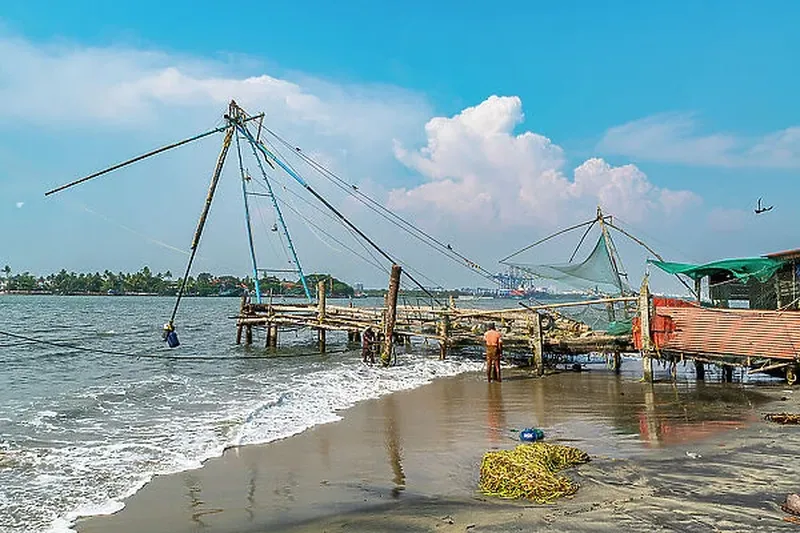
(112, 439)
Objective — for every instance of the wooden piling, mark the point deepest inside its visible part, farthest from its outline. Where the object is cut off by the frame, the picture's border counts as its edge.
(321, 314)
(391, 315)
(537, 343)
(616, 362)
(249, 335)
(727, 374)
(647, 345)
(239, 334)
(699, 371)
(267, 335)
(273, 335)
(444, 331)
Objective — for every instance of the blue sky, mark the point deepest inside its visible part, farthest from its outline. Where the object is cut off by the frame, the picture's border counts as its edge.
(700, 97)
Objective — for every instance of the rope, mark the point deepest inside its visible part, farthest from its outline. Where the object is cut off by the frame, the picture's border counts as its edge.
(153, 356)
(388, 215)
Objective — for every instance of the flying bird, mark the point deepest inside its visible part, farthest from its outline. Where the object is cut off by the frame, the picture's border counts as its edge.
(759, 209)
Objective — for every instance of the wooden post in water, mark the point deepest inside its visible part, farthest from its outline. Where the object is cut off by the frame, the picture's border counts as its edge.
(321, 314)
(267, 335)
(616, 362)
(699, 368)
(699, 371)
(273, 335)
(647, 344)
(444, 331)
(249, 335)
(242, 311)
(537, 344)
(391, 315)
(727, 373)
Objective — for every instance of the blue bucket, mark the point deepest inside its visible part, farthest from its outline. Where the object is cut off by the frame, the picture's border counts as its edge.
(531, 435)
(172, 340)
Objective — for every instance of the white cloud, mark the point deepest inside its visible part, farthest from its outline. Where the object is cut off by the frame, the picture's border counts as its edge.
(673, 138)
(63, 85)
(480, 171)
(20, 204)
(97, 106)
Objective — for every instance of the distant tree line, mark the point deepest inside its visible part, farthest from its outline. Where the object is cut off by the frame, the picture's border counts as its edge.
(163, 284)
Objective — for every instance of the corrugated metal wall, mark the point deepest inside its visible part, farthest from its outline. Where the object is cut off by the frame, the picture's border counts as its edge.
(733, 332)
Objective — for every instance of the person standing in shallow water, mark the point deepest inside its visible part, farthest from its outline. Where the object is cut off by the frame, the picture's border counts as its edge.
(494, 349)
(367, 346)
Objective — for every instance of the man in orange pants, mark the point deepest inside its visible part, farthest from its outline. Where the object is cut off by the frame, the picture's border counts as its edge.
(494, 349)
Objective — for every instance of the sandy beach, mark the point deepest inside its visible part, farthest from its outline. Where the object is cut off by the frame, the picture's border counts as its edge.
(665, 457)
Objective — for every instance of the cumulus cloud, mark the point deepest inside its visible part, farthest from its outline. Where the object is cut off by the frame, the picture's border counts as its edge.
(674, 138)
(113, 87)
(20, 204)
(477, 168)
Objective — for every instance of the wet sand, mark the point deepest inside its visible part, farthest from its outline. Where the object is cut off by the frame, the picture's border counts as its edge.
(669, 457)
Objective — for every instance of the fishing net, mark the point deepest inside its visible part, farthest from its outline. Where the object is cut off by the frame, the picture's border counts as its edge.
(530, 471)
(596, 273)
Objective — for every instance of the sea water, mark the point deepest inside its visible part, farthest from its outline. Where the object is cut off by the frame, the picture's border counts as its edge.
(82, 430)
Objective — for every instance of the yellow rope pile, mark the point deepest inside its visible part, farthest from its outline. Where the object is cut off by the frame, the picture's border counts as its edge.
(530, 471)
(783, 418)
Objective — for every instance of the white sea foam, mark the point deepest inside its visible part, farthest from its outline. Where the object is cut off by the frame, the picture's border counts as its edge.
(119, 435)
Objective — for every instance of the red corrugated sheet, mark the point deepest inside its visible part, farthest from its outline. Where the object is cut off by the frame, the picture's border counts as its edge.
(735, 332)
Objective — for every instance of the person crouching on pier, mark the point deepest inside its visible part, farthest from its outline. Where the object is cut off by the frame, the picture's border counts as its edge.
(494, 350)
(368, 346)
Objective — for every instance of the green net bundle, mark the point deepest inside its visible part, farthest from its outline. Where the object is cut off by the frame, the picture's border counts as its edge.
(530, 471)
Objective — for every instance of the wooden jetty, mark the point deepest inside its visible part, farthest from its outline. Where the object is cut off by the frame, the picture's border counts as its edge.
(665, 330)
(534, 330)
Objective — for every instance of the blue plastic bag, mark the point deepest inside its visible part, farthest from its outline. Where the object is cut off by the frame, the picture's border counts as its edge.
(172, 339)
(531, 435)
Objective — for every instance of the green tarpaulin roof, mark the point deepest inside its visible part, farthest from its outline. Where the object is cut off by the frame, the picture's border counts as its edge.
(760, 268)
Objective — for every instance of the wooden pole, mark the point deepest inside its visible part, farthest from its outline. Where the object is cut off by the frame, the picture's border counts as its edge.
(699, 371)
(391, 315)
(699, 367)
(537, 344)
(444, 331)
(617, 362)
(321, 314)
(727, 374)
(249, 335)
(647, 343)
(239, 334)
(273, 335)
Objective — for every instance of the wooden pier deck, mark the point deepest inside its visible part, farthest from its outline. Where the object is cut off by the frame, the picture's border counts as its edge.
(759, 341)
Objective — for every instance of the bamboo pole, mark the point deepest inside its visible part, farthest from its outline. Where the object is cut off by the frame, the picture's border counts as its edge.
(644, 314)
(489, 312)
(273, 335)
(537, 344)
(391, 314)
(444, 330)
(321, 314)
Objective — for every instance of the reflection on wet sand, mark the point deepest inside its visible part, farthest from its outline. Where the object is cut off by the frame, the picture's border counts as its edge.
(496, 415)
(428, 441)
(394, 447)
